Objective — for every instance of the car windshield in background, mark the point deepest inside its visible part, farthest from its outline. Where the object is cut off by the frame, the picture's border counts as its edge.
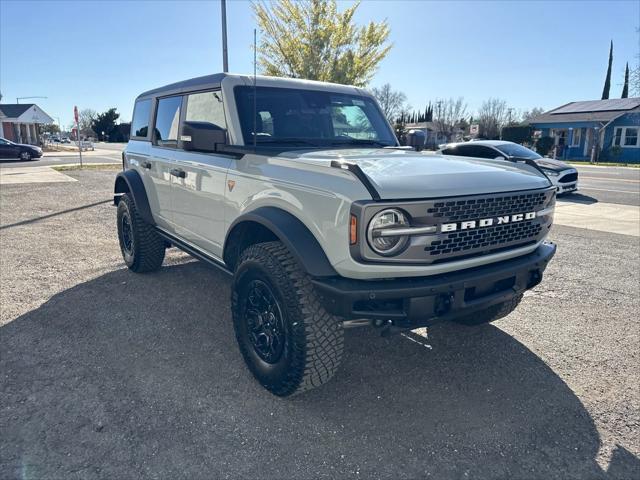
(295, 117)
(515, 150)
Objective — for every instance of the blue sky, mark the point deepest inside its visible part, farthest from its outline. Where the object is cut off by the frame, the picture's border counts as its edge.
(102, 54)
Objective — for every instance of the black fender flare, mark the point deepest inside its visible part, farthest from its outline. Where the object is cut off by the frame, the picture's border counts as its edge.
(294, 234)
(129, 181)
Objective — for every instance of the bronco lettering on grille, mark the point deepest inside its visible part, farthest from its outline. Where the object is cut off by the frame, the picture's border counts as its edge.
(486, 222)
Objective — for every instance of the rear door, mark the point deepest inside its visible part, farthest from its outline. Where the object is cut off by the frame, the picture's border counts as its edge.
(8, 150)
(199, 188)
(162, 156)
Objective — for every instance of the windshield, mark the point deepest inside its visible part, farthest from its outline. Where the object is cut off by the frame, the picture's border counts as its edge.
(296, 117)
(515, 150)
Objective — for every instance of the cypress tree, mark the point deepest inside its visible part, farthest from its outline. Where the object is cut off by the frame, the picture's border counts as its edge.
(625, 88)
(607, 81)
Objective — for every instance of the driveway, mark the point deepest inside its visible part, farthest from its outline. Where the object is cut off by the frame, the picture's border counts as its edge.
(109, 374)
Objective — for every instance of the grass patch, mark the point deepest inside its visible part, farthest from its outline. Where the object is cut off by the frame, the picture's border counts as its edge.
(88, 166)
(605, 164)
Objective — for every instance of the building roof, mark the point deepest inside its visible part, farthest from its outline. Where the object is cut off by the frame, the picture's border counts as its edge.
(14, 110)
(589, 111)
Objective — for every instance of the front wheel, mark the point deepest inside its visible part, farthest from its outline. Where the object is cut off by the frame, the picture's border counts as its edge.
(288, 341)
(25, 156)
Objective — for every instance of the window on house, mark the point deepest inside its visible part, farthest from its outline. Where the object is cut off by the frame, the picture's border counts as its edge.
(577, 137)
(167, 120)
(631, 137)
(617, 136)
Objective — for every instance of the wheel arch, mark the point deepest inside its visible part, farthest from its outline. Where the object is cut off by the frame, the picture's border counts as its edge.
(271, 223)
(129, 181)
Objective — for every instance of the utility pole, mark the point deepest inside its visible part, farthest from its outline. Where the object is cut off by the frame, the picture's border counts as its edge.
(225, 59)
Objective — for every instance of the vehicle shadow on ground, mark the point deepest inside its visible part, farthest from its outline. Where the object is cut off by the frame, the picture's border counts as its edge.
(577, 198)
(132, 376)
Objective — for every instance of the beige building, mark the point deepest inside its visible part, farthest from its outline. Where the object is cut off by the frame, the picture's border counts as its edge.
(20, 122)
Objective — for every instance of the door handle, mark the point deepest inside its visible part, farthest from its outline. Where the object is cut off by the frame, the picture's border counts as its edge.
(178, 172)
(145, 165)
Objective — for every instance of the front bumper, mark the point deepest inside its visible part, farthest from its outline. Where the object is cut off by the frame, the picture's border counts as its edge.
(415, 302)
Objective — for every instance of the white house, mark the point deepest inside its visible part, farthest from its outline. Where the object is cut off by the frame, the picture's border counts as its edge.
(20, 122)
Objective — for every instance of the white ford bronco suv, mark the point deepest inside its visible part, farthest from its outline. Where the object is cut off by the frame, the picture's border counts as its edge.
(300, 190)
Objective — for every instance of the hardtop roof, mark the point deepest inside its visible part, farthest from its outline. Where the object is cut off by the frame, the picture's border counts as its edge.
(214, 81)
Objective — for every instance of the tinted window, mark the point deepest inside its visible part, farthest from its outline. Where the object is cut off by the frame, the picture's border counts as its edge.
(140, 122)
(167, 121)
(314, 117)
(206, 107)
(515, 150)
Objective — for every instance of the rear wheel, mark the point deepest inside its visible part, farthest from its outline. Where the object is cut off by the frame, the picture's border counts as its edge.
(288, 341)
(491, 314)
(142, 248)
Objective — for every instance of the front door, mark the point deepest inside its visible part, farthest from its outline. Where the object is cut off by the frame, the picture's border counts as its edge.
(199, 187)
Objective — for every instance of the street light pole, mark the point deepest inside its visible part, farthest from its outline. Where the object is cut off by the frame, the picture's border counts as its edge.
(26, 98)
(225, 59)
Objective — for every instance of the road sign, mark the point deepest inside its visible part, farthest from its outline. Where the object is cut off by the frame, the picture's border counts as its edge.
(75, 114)
(474, 129)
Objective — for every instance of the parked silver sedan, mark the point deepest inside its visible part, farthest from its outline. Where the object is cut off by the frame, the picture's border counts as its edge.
(562, 175)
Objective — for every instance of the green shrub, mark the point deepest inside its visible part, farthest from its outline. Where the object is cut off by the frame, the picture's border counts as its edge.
(544, 145)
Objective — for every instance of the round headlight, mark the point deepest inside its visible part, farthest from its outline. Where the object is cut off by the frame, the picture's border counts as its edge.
(380, 235)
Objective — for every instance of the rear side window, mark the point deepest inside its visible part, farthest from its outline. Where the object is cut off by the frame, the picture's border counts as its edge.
(140, 122)
(206, 107)
(167, 122)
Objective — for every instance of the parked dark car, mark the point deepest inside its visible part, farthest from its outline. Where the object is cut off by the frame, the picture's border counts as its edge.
(563, 176)
(9, 149)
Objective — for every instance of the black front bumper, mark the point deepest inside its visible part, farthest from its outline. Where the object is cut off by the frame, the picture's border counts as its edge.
(414, 302)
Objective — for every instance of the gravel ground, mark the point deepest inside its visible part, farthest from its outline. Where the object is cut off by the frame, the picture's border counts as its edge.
(108, 374)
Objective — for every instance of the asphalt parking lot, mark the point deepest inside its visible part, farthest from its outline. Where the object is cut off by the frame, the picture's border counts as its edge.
(109, 374)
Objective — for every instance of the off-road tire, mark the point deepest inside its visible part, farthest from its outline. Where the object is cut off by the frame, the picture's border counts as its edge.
(491, 314)
(313, 339)
(146, 249)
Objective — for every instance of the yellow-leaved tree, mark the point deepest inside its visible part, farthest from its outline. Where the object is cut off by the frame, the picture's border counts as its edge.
(311, 39)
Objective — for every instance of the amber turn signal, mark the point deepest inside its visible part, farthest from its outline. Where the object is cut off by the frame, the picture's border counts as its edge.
(353, 230)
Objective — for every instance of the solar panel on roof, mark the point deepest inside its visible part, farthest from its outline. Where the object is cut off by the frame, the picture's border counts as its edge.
(599, 105)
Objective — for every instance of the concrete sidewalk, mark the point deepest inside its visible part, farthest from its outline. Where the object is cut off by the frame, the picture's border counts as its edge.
(19, 175)
(604, 217)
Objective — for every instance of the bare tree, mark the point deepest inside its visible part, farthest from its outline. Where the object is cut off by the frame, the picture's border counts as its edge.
(391, 101)
(527, 115)
(492, 116)
(85, 119)
(448, 114)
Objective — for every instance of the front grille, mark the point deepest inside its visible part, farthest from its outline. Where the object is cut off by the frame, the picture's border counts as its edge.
(455, 210)
(488, 238)
(569, 177)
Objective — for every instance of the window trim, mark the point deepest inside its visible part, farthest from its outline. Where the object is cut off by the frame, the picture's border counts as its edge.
(623, 136)
(151, 116)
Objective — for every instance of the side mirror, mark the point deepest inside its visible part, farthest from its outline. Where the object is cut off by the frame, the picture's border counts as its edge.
(202, 136)
(416, 139)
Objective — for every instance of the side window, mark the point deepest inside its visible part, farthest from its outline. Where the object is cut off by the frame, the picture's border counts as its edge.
(486, 152)
(466, 150)
(206, 107)
(167, 121)
(140, 122)
(450, 151)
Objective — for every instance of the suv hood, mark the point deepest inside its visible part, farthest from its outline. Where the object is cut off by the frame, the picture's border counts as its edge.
(405, 174)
